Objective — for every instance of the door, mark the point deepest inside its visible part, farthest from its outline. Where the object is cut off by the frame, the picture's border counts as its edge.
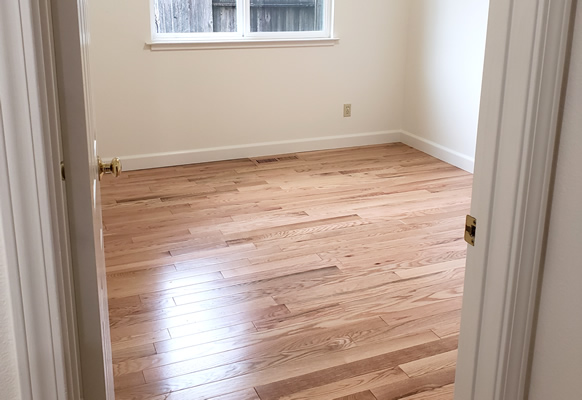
(79, 143)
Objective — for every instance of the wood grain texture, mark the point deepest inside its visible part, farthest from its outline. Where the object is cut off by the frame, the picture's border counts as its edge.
(367, 395)
(333, 274)
(415, 386)
(430, 364)
(442, 393)
(337, 374)
(247, 394)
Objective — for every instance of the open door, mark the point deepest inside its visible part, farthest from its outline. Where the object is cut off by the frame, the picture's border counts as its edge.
(82, 168)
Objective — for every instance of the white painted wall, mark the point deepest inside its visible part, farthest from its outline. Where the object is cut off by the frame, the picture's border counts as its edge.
(444, 68)
(557, 356)
(9, 383)
(152, 102)
(414, 65)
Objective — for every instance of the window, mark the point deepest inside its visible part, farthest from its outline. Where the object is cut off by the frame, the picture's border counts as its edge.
(232, 20)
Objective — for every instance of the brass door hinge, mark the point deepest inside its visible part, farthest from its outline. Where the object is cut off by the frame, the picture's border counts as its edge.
(470, 230)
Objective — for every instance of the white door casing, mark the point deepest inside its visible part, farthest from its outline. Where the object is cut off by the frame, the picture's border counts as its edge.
(28, 187)
(527, 42)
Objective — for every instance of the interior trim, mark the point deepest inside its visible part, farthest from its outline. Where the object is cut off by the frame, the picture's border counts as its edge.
(439, 151)
(175, 44)
(520, 102)
(155, 160)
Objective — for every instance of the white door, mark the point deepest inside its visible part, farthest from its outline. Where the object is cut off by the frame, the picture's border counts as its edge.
(83, 197)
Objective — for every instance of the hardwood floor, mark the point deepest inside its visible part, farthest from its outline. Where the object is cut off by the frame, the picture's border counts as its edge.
(324, 275)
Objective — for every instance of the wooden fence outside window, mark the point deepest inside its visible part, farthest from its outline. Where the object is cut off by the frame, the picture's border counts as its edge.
(188, 16)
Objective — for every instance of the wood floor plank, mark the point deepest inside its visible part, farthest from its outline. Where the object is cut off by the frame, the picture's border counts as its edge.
(130, 353)
(430, 364)
(279, 231)
(224, 321)
(204, 337)
(415, 324)
(345, 388)
(121, 289)
(406, 273)
(327, 335)
(140, 338)
(367, 395)
(247, 394)
(396, 295)
(234, 363)
(403, 235)
(179, 387)
(334, 274)
(144, 272)
(356, 368)
(413, 386)
(268, 350)
(393, 317)
(255, 268)
(129, 380)
(404, 260)
(443, 393)
(258, 284)
(194, 322)
(142, 280)
(191, 310)
(210, 267)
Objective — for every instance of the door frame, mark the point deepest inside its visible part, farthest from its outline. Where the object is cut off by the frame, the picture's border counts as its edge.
(525, 59)
(33, 209)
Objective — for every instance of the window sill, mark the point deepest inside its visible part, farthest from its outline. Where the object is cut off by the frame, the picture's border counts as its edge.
(167, 45)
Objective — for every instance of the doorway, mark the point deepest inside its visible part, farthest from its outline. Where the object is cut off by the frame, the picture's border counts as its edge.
(508, 161)
(183, 198)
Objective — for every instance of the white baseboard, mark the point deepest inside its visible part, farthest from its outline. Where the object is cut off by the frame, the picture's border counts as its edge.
(155, 160)
(441, 152)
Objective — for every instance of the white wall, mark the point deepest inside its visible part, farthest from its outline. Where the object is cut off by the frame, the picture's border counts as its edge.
(152, 102)
(557, 356)
(9, 383)
(444, 68)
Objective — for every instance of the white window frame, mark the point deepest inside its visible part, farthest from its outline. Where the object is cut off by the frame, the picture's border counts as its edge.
(243, 33)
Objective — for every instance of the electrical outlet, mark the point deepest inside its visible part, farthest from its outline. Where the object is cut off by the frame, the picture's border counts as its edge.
(347, 110)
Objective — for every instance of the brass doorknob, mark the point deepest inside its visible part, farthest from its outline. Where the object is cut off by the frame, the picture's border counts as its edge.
(112, 168)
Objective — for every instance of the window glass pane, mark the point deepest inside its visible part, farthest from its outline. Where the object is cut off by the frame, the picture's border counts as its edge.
(189, 16)
(286, 15)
